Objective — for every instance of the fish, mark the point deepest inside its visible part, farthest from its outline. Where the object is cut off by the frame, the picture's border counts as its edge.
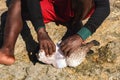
(58, 60)
(78, 56)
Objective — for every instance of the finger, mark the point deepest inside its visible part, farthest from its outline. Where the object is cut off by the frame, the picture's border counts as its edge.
(62, 43)
(63, 50)
(50, 50)
(41, 47)
(70, 52)
(63, 47)
(53, 47)
(84, 42)
(66, 51)
(45, 47)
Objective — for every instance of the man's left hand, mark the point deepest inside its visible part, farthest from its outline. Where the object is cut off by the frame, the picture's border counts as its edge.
(70, 44)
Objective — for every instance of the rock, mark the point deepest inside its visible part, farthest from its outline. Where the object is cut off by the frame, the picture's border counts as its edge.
(102, 64)
(117, 4)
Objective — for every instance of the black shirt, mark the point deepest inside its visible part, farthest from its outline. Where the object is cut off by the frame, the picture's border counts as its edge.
(102, 10)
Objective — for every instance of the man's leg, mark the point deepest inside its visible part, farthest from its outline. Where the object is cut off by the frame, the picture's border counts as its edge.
(2, 22)
(12, 29)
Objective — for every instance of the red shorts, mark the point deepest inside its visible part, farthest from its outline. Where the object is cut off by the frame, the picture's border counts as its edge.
(57, 10)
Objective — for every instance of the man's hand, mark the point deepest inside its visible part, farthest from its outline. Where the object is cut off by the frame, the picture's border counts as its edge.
(45, 42)
(70, 44)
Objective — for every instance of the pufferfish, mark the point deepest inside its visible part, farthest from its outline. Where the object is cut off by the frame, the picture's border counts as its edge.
(58, 60)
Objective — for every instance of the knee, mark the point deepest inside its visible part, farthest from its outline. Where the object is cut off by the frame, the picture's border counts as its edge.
(16, 2)
(15, 5)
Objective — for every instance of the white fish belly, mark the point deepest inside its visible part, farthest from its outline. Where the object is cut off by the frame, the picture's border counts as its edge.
(60, 61)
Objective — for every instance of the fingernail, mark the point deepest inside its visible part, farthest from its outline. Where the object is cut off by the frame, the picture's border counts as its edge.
(47, 55)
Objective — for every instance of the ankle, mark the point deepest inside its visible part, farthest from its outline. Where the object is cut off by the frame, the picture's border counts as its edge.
(8, 50)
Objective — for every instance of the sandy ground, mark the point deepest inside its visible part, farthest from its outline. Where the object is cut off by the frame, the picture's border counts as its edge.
(103, 64)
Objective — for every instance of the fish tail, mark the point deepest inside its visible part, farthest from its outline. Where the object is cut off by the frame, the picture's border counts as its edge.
(95, 42)
(92, 43)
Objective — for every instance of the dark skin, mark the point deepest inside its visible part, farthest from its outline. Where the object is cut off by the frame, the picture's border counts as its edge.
(70, 44)
(45, 42)
(13, 27)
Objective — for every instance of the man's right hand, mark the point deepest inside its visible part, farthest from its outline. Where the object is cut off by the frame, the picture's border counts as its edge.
(45, 42)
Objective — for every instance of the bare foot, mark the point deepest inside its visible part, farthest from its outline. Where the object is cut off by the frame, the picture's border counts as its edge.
(6, 57)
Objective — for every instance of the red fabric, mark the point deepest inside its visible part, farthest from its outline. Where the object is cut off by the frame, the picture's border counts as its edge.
(57, 10)
(90, 13)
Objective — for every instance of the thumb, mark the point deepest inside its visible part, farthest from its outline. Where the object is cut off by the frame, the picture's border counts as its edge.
(84, 42)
